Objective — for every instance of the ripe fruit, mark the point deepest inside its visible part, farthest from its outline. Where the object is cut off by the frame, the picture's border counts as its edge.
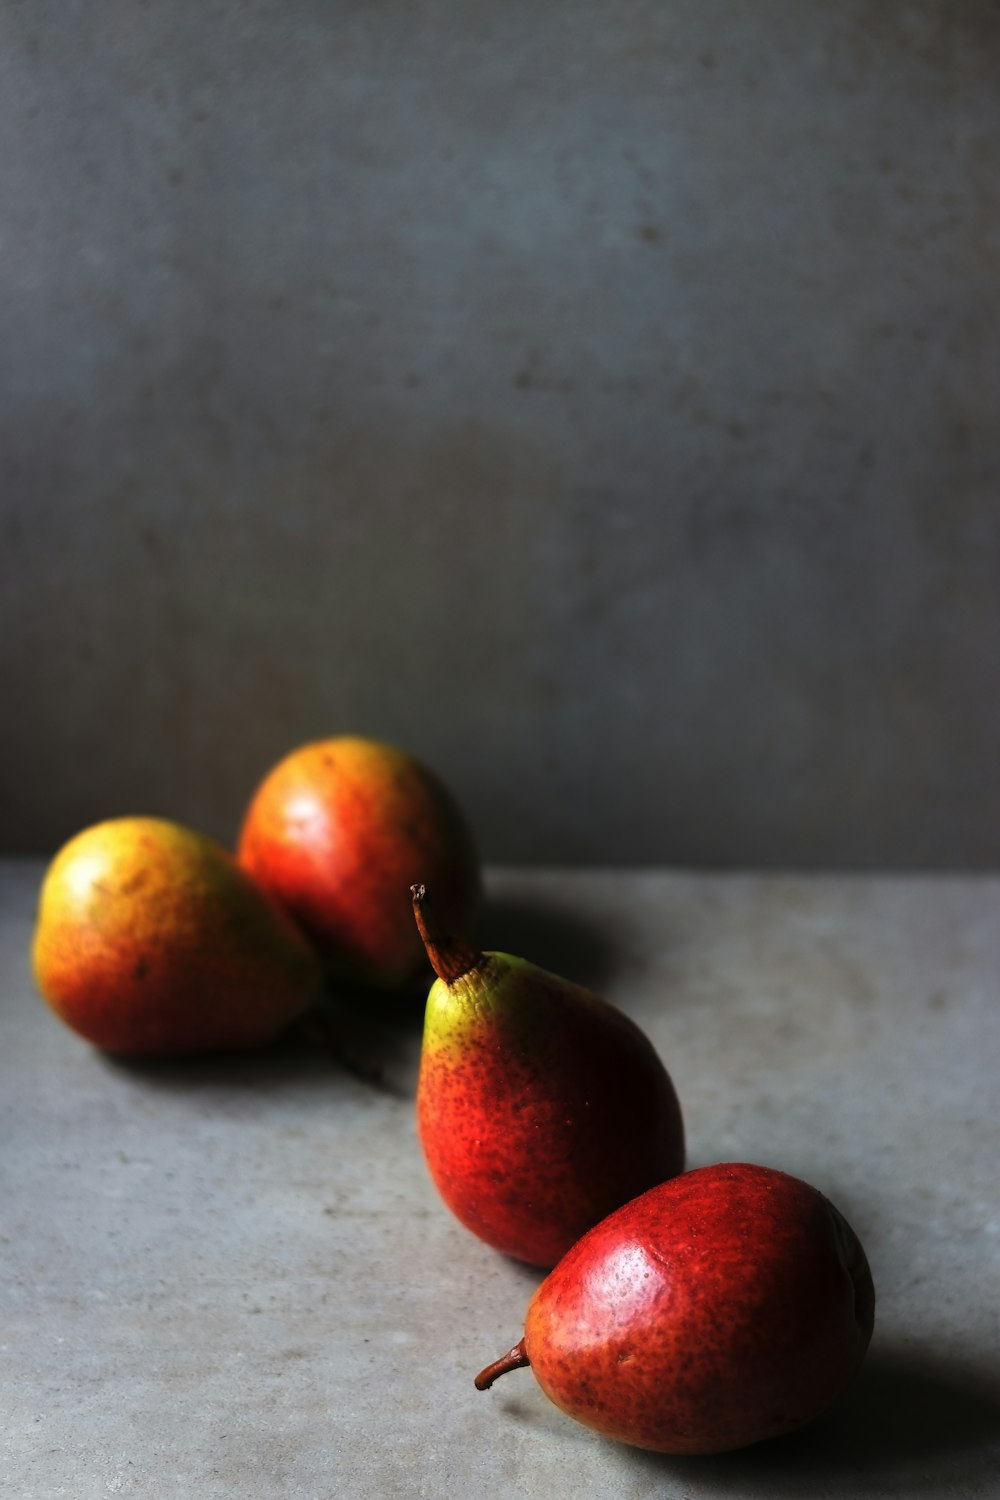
(338, 831)
(540, 1108)
(152, 941)
(729, 1305)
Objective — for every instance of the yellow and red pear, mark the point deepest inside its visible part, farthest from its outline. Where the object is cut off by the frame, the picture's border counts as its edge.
(338, 831)
(540, 1107)
(151, 941)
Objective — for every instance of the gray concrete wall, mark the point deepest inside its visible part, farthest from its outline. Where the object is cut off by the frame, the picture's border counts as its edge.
(600, 399)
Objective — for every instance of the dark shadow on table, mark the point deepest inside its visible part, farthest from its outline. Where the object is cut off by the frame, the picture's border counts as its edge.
(550, 936)
(357, 1039)
(909, 1423)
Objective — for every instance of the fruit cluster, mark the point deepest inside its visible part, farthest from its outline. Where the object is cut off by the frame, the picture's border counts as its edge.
(688, 1312)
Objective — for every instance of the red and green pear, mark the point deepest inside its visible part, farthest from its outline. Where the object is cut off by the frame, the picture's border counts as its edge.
(151, 941)
(540, 1107)
(727, 1306)
(338, 831)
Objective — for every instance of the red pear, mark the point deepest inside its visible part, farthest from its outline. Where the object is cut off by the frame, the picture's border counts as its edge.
(151, 941)
(337, 833)
(540, 1107)
(729, 1305)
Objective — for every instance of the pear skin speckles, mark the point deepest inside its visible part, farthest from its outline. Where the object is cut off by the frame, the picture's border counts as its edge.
(151, 941)
(727, 1306)
(540, 1108)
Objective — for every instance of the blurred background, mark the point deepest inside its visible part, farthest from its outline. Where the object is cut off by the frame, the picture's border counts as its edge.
(600, 400)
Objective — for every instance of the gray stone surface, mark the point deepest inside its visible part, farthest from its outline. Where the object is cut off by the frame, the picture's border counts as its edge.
(233, 1278)
(599, 398)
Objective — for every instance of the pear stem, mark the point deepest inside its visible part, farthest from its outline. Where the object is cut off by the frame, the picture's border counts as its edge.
(451, 957)
(514, 1359)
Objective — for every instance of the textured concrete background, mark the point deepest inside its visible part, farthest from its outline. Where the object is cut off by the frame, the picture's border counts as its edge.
(600, 399)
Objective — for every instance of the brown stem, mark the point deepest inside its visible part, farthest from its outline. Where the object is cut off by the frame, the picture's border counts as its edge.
(514, 1359)
(451, 957)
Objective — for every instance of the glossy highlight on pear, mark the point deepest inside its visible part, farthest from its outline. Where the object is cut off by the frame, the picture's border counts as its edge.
(540, 1107)
(727, 1306)
(152, 942)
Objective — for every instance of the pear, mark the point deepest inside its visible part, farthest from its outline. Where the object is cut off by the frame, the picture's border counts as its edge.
(337, 831)
(540, 1107)
(730, 1305)
(151, 941)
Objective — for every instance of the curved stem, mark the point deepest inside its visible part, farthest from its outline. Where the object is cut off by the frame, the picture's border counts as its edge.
(451, 957)
(514, 1359)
